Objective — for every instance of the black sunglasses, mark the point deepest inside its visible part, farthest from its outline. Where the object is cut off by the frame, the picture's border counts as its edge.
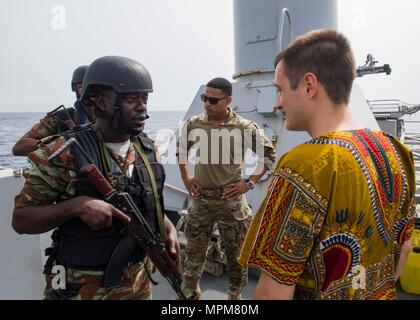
(212, 100)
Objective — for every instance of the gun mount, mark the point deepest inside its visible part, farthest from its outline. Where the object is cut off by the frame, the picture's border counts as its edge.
(389, 115)
(371, 68)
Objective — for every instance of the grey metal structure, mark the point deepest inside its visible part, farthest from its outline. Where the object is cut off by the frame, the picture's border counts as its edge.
(262, 29)
(390, 115)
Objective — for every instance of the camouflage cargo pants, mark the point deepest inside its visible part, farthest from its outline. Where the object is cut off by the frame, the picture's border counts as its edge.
(233, 218)
(88, 285)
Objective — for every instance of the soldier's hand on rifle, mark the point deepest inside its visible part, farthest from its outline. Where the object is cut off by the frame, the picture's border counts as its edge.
(98, 214)
(191, 186)
(174, 249)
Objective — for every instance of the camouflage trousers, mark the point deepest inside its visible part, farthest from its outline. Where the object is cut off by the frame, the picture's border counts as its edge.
(233, 218)
(135, 285)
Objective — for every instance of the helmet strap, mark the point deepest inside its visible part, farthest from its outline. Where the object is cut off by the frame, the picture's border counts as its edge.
(116, 114)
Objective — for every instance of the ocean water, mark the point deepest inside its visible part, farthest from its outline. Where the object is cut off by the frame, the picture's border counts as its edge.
(14, 125)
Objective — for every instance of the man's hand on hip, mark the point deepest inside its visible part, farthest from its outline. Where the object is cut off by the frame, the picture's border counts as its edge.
(191, 186)
(235, 190)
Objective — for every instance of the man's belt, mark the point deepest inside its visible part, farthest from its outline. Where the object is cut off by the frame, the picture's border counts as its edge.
(211, 193)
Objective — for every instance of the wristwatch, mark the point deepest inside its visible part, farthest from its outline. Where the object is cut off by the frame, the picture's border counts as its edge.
(250, 185)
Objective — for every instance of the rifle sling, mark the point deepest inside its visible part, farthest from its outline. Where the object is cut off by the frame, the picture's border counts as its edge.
(159, 211)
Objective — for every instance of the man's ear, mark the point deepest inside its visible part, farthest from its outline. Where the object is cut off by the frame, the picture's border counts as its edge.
(310, 83)
(229, 99)
(100, 102)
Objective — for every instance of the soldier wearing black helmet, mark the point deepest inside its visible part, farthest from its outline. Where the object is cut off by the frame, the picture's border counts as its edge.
(59, 120)
(89, 231)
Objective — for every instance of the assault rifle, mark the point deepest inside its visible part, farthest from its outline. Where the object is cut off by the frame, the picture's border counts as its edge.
(138, 227)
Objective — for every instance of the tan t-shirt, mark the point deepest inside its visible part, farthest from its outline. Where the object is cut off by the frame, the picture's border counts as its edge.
(220, 151)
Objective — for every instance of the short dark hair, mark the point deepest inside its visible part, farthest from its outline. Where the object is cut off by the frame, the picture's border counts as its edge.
(325, 53)
(222, 84)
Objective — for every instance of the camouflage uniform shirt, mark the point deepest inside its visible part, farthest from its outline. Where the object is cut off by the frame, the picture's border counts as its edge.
(50, 124)
(44, 185)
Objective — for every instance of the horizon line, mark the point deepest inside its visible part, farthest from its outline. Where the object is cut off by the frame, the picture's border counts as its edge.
(161, 110)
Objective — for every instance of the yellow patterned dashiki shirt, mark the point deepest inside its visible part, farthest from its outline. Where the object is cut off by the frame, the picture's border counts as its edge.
(335, 217)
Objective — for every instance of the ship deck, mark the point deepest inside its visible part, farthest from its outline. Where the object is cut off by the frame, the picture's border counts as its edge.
(215, 288)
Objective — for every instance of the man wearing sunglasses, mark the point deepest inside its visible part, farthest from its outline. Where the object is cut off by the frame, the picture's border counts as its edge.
(217, 188)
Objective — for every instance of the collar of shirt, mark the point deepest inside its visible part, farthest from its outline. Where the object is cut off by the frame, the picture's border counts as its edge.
(229, 120)
(125, 155)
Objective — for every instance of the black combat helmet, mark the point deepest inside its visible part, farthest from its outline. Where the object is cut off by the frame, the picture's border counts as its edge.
(122, 74)
(78, 75)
